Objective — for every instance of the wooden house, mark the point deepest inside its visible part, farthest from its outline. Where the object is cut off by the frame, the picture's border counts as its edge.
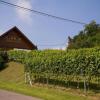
(14, 38)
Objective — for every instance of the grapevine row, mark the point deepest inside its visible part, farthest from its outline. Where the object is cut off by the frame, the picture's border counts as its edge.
(63, 67)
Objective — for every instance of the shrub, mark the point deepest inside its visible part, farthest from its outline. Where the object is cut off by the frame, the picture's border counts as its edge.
(3, 59)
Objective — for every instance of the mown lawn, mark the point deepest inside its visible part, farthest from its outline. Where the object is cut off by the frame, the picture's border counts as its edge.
(44, 93)
(12, 79)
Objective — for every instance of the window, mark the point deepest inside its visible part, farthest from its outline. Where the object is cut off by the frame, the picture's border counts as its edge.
(13, 38)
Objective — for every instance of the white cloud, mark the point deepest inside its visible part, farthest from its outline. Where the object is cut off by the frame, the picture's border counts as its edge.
(23, 14)
(59, 48)
(1, 32)
(63, 48)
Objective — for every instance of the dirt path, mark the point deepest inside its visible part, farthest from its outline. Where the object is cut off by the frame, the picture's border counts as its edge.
(6, 95)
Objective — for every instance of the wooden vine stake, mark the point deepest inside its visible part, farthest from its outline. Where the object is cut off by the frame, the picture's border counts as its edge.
(28, 78)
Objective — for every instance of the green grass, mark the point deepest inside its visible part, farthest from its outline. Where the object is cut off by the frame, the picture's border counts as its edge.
(44, 93)
(12, 79)
(14, 72)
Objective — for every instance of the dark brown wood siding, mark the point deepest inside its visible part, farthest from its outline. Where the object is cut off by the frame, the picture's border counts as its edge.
(15, 39)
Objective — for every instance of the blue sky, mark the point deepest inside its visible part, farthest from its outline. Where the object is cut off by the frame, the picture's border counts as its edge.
(46, 32)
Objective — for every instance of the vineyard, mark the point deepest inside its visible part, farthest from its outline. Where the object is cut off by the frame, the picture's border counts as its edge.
(71, 68)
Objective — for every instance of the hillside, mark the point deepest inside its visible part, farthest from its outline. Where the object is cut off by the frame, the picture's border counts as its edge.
(14, 72)
(12, 79)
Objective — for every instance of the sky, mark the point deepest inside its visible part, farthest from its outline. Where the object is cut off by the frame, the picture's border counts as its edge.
(46, 32)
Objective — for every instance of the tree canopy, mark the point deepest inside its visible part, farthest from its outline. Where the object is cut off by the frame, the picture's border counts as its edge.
(86, 38)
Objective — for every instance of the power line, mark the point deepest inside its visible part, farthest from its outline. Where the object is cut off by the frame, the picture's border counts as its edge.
(42, 13)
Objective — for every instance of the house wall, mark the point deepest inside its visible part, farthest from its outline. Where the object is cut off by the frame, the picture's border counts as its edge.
(14, 39)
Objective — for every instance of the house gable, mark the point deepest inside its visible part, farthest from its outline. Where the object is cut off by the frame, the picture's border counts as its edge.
(14, 38)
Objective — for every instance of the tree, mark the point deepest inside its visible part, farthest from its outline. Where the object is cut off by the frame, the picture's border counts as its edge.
(86, 38)
(92, 28)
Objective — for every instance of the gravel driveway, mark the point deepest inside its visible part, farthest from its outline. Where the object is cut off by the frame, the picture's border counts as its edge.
(6, 95)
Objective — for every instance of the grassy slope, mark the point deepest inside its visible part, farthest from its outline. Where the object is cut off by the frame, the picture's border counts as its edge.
(12, 78)
(14, 72)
